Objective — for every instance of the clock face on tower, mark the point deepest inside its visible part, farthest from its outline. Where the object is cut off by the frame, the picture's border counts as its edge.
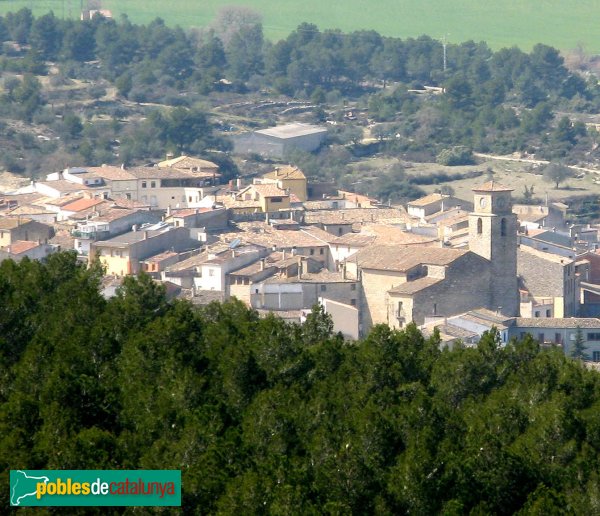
(483, 202)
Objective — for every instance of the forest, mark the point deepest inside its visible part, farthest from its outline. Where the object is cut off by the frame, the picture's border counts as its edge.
(265, 417)
(170, 83)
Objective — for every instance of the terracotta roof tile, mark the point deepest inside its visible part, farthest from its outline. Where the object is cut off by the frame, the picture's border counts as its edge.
(428, 199)
(287, 172)
(21, 246)
(391, 258)
(492, 186)
(412, 287)
(82, 204)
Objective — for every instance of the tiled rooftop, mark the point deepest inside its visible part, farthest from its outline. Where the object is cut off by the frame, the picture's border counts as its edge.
(286, 172)
(390, 258)
(12, 222)
(428, 199)
(492, 186)
(573, 322)
(412, 287)
(21, 246)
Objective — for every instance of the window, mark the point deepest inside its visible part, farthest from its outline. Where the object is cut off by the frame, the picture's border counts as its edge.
(144, 184)
(537, 313)
(596, 356)
(312, 251)
(479, 226)
(323, 288)
(557, 338)
(548, 313)
(256, 291)
(339, 231)
(399, 311)
(353, 286)
(173, 197)
(503, 227)
(211, 272)
(541, 337)
(152, 184)
(522, 335)
(593, 336)
(321, 251)
(190, 198)
(353, 302)
(128, 196)
(276, 199)
(434, 308)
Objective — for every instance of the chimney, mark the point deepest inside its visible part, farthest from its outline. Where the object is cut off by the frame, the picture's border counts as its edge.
(262, 264)
(145, 235)
(122, 166)
(238, 183)
(276, 171)
(283, 252)
(169, 210)
(300, 267)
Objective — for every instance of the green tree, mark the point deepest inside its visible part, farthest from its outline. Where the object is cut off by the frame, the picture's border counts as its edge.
(557, 173)
(579, 348)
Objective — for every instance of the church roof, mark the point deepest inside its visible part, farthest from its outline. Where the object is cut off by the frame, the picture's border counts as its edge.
(492, 186)
(391, 258)
(412, 287)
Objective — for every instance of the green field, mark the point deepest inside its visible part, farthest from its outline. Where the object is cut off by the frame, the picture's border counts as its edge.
(561, 23)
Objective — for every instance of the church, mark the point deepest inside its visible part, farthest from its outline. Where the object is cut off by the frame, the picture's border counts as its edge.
(406, 285)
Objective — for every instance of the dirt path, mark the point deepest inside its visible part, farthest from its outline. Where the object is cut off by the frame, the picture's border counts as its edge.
(529, 160)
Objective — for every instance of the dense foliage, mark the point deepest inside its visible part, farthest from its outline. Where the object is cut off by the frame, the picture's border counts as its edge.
(266, 417)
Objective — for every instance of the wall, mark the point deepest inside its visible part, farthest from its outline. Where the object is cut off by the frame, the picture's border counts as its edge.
(345, 317)
(374, 305)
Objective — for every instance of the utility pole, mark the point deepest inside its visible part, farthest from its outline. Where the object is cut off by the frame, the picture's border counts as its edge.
(444, 45)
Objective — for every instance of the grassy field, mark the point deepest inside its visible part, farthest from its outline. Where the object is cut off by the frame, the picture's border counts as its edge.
(517, 175)
(561, 23)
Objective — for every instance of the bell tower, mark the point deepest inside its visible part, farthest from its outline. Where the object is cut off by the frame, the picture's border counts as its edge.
(493, 235)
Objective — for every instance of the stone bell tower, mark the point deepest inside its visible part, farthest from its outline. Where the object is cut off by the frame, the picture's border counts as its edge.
(493, 235)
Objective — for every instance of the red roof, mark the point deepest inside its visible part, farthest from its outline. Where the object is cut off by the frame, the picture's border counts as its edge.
(82, 204)
(21, 246)
(492, 186)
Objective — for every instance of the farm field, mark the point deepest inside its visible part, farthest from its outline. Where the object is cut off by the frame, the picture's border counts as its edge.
(501, 23)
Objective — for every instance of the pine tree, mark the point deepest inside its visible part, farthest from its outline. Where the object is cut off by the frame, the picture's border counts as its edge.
(579, 346)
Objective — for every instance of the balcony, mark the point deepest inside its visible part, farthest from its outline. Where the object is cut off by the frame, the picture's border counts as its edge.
(90, 234)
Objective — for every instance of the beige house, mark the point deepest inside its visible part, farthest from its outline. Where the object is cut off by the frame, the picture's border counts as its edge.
(289, 178)
(15, 229)
(198, 167)
(125, 254)
(267, 197)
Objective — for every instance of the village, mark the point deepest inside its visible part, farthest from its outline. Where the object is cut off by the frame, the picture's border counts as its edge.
(281, 244)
